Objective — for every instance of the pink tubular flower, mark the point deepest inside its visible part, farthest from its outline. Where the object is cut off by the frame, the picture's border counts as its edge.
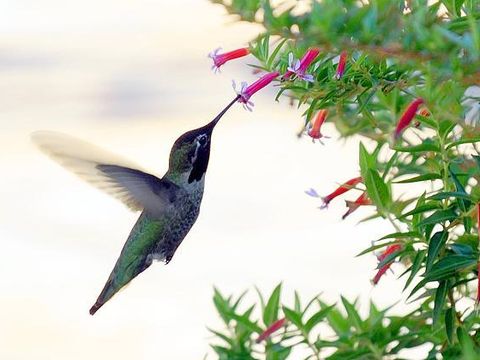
(246, 91)
(299, 67)
(407, 117)
(341, 65)
(220, 59)
(314, 130)
(354, 205)
(271, 329)
(390, 250)
(340, 190)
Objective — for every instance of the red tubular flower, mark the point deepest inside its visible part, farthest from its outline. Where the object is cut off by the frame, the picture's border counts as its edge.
(354, 205)
(390, 250)
(407, 117)
(299, 67)
(271, 329)
(340, 190)
(246, 91)
(220, 59)
(314, 131)
(341, 65)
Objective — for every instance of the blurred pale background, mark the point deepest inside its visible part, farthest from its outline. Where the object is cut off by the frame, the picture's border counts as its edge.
(132, 76)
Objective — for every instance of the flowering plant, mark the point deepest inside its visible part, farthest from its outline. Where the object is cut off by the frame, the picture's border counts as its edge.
(404, 76)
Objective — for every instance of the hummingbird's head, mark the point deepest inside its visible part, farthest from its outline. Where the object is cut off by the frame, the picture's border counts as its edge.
(190, 153)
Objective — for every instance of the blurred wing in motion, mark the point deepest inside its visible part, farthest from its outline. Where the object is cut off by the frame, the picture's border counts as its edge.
(120, 178)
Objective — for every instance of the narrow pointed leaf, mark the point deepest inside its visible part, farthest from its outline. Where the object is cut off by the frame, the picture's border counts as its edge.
(377, 190)
(317, 318)
(353, 314)
(438, 217)
(439, 301)
(419, 178)
(270, 314)
(437, 242)
(293, 316)
(448, 266)
(417, 263)
(449, 324)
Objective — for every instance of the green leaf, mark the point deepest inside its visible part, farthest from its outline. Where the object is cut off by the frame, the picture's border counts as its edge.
(445, 127)
(448, 266)
(270, 314)
(336, 320)
(450, 194)
(222, 306)
(402, 235)
(436, 243)
(272, 57)
(244, 320)
(462, 249)
(463, 141)
(317, 318)
(417, 263)
(298, 303)
(449, 324)
(353, 315)
(389, 165)
(439, 217)
(222, 336)
(439, 302)
(419, 178)
(467, 344)
(293, 316)
(421, 209)
(277, 351)
(416, 218)
(464, 204)
(366, 160)
(423, 147)
(377, 190)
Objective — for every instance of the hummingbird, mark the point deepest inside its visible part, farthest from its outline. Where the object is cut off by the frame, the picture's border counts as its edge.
(169, 205)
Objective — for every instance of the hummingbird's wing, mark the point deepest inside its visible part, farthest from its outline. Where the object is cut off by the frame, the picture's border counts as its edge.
(118, 177)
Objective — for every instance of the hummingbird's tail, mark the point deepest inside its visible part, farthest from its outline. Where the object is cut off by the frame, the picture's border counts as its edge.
(121, 275)
(105, 295)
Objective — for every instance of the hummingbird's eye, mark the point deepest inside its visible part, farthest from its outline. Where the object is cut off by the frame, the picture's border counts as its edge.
(202, 140)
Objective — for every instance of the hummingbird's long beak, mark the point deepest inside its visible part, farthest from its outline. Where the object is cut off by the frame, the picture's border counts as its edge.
(219, 116)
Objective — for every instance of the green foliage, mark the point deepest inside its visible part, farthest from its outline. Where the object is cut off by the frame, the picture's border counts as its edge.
(322, 331)
(397, 51)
